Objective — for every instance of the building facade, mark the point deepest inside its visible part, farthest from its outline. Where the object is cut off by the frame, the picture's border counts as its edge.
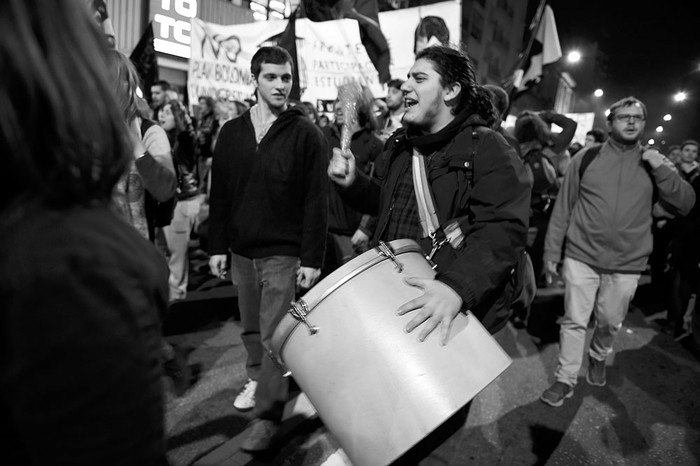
(171, 27)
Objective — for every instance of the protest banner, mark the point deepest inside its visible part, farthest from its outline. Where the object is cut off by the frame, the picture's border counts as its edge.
(329, 53)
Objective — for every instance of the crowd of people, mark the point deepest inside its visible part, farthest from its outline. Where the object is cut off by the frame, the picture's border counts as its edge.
(101, 211)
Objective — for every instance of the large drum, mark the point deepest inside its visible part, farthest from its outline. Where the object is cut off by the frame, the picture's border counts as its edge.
(377, 388)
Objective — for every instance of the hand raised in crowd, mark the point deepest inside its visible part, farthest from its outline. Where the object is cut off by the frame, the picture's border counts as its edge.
(217, 265)
(342, 169)
(307, 277)
(437, 307)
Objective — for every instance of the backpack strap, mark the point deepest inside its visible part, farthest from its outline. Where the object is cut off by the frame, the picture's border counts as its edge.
(451, 232)
(587, 158)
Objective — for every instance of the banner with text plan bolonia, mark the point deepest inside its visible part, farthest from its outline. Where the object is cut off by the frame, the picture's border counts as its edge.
(329, 53)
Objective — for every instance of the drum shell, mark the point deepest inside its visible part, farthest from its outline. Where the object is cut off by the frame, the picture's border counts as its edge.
(378, 389)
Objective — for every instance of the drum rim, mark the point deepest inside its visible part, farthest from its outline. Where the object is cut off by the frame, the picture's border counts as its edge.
(319, 294)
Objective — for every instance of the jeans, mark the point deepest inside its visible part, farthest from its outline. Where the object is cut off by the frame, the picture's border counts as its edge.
(610, 295)
(266, 288)
(177, 238)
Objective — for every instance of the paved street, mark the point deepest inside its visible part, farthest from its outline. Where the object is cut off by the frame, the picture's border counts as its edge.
(648, 414)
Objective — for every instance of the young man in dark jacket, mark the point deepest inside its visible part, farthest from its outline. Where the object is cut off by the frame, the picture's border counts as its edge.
(268, 206)
(478, 183)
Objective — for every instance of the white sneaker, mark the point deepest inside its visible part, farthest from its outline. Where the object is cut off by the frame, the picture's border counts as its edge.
(245, 401)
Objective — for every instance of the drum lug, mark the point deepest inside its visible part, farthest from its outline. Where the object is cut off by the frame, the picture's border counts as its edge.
(299, 311)
(280, 365)
(385, 250)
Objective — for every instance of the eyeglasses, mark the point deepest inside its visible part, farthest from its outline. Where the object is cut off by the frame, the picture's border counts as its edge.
(629, 118)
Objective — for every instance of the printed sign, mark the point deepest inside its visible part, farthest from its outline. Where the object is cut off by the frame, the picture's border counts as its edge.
(329, 53)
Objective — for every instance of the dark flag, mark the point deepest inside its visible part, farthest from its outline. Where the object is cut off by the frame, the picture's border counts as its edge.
(543, 48)
(144, 59)
(287, 39)
(366, 13)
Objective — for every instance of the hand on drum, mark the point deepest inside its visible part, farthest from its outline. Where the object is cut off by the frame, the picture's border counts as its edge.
(437, 307)
(341, 168)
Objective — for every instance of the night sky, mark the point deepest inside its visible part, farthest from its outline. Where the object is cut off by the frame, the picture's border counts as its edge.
(652, 50)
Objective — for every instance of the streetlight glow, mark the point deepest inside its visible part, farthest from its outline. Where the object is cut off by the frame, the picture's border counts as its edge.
(659, 129)
(598, 93)
(574, 56)
(667, 117)
(651, 142)
(680, 96)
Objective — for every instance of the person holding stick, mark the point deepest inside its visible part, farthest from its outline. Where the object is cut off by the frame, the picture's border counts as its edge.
(480, 191)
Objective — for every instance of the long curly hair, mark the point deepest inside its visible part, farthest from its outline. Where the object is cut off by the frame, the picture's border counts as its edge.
(454, 66)
(62, 136)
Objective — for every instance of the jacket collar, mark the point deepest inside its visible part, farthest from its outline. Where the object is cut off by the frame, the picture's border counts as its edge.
(429, 143)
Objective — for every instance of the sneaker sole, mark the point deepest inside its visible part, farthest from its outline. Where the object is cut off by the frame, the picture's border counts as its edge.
(556, 404)
(590, 382)
(243, 410)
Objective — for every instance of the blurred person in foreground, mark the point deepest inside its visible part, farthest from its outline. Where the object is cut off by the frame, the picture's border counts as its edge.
(80, 379)
(602, 222)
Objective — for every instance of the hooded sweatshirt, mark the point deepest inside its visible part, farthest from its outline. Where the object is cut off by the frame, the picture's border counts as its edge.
(270, 198)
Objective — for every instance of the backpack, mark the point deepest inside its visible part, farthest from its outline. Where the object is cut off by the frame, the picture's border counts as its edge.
(158, 214)
(541, 171)
(519, 287)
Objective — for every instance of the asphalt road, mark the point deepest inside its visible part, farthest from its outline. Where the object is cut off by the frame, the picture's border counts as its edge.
(647, 414)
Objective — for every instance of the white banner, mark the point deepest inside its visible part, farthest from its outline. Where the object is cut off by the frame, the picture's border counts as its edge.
(329, 53)
(399, 28)
(219, 65)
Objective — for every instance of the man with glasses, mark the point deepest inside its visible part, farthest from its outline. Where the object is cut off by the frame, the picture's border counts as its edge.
(603, 216)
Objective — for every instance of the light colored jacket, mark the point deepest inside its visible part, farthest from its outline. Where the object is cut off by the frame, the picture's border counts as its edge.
(606, 215)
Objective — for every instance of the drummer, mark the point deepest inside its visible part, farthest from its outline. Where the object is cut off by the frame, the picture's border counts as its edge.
(444, 105)
(447, 114)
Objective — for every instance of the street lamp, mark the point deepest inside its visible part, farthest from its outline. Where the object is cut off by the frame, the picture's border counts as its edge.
(598, 93)
(574, 56)
(659, 129)
(651, 142)
(680, 96)
(667, 117)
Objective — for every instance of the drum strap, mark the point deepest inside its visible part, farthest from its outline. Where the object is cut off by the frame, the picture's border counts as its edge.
(427, 212)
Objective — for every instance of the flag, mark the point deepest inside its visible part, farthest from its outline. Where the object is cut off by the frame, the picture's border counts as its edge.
(144, 59)
(366, 13)
(543, 49)
(287, 39)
